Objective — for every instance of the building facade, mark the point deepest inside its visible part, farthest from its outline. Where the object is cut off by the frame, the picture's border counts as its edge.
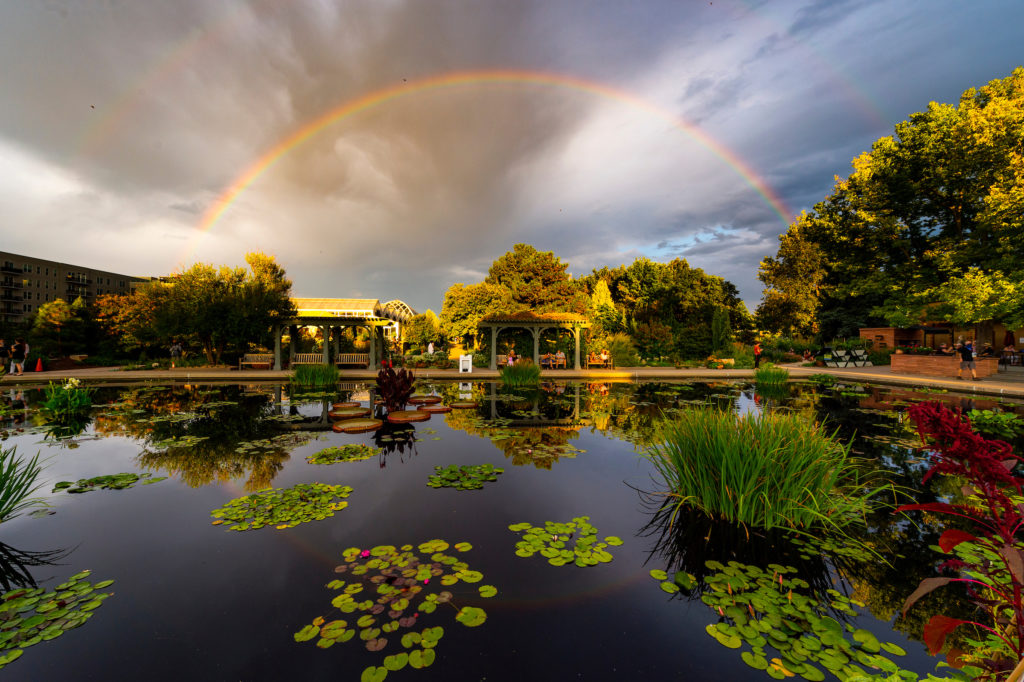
(27, 283)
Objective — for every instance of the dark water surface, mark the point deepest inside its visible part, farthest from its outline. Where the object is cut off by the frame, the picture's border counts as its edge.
(196, 601)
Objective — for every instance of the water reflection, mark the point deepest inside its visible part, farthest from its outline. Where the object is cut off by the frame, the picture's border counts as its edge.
(14, 564)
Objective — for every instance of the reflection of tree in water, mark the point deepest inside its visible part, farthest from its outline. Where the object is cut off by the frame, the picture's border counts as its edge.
(394, 439)
(211, 424)
(540, 446)
(14, 565)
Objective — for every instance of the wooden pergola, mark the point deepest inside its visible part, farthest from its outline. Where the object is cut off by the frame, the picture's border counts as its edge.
(535, 323)
(330, 314)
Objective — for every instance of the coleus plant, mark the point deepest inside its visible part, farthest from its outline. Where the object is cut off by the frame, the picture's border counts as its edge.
(990, 561)
(395, 387)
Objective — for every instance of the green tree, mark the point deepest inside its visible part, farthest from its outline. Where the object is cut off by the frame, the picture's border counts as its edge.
(464, 306)
(537, 280)
(602, 309)
(57, 319)
(423, 329)
(721, 332)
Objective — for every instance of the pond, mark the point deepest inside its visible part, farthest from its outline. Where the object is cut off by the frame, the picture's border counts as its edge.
(425, 572)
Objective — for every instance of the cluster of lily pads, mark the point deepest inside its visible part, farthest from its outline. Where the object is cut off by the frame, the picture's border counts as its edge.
(389, 589)
(465, 477)
(281, 441)
(283, 507)
(353, 452)
(767, 608)
(284, 418)
(30, 616)
(109, 482)
(172, 418)
(552, 539)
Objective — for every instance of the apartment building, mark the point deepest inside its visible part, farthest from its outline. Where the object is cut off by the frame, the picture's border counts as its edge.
(27, 282)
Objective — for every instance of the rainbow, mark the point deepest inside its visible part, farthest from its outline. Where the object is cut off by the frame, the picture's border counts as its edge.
(474, 78)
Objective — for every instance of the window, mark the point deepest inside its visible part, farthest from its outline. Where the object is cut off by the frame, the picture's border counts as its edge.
(27, 307)
(47, 272)
(27, 267)
(47, 297)
(37, 269)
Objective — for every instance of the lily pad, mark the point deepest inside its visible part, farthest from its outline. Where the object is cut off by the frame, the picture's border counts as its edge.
(465, 477)
(109, 482)
(354, 452)
(553, 538)
(403, 416)
(284, 507)
(349, 413)
(434, 409)
(357, 425)
(463, 404)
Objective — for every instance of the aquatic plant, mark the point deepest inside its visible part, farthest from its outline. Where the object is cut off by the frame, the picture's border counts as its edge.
(770, 375)
(405, 585)
(17, 483)
(30, 616)
(766, 470)
(523, 374)
(109, 482)
(989, 559)
(823, 379)
(15, 563)
(551, 540)
(395, 387)
(466, 477)
(283, 507)
(67, 399)
(768, 608)
(310, 376)
(1004, 425)
(353, 452)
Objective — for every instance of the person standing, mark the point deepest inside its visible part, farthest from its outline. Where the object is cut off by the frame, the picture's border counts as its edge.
(175, 353)
(966, 351)
(757, 354)
(18, 357)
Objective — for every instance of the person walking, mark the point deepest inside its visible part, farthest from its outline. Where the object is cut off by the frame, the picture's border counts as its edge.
(175, 353)
(966, 351)
(757, 354)
(18, 357)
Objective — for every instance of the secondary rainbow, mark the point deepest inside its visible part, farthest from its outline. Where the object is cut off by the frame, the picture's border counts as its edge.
(475, 78)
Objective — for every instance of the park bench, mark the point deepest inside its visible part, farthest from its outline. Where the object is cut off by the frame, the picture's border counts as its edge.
(353, 359)
(308, 359)
(257, 360)
(501, 361)
(596, 361)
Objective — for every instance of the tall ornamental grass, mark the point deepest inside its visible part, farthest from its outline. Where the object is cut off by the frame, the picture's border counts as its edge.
(523, 374)
(764, 470)
(770, 375)
(315, 375)
(17, 483)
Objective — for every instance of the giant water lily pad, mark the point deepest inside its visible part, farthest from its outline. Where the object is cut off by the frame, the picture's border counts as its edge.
(283, 507)
(342, 406)
(109, 482)
(465, 477)
(552, 542)
(434, 409)
(354, 452)
(387, 595)
(402, 416)
(424, 399)
(357, 425)
(463, 404)
(349, 413)
(30, 616)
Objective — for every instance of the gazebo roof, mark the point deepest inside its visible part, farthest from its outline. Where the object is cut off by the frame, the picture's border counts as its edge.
(534, 318)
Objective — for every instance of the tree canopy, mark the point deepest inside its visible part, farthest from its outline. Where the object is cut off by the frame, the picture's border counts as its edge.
(928, 226)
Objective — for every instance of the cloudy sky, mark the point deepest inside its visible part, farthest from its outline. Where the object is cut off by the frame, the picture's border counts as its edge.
(389, 148)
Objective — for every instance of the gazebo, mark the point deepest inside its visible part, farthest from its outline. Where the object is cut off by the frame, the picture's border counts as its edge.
(336, 313)
(535, 323)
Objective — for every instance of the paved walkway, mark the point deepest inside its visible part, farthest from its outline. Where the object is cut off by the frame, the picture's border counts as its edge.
(1008, 383)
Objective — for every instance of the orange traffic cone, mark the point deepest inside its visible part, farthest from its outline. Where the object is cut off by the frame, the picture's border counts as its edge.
(39, 365)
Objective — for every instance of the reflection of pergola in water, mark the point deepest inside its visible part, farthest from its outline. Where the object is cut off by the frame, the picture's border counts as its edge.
(382, 320)
(536, 323)
(536, 418)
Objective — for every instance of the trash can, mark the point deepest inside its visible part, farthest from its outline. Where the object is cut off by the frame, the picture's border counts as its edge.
(466, 363)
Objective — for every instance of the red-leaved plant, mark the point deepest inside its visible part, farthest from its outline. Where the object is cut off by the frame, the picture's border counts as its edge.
(996, 579)
(395, 387)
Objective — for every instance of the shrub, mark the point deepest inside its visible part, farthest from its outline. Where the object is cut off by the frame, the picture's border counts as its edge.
(880, 357)
(766, 470)
(315, 375)
(770, 375)
(622, 349)
(522, 374)
(17, 483)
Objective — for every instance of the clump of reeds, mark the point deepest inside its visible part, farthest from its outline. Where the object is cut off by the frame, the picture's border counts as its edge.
(520, 375)
(766, 470)
(17, 483)
(315, 375)
(770, 375)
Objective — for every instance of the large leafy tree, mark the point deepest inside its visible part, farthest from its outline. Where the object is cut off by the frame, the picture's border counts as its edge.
(928, 225)
(422, 330)
(464, 306)
(60, 321)
(537, 280)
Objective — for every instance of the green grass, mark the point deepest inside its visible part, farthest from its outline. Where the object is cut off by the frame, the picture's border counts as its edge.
(765, 470)
(522, 374)
(18, 480)
(770, 375)
(315, 375)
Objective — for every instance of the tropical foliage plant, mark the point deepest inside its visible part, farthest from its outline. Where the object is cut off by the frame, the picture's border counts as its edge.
(395, 387)
(989, 557)
(766, 470)
(18, 481)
